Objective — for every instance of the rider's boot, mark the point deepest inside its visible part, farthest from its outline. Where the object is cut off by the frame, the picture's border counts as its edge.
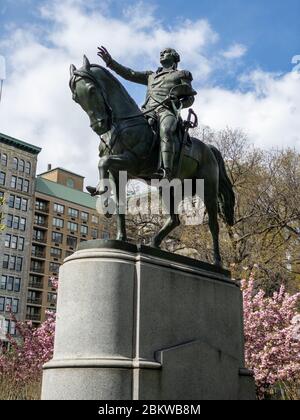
(168, 159)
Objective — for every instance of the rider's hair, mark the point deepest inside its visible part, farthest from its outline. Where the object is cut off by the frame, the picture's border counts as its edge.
(176, 56)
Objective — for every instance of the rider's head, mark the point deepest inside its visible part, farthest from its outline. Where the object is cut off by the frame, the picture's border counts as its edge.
(169, 57)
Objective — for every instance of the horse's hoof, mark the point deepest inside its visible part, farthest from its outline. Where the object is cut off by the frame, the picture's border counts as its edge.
(218, 263)
(92, 190)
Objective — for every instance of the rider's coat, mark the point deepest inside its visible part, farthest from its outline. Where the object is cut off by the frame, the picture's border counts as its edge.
(159, 83)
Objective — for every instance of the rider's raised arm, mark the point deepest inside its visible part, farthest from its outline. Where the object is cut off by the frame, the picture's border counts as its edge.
(129, 74)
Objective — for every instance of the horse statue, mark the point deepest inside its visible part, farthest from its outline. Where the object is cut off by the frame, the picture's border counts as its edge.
(128, 143)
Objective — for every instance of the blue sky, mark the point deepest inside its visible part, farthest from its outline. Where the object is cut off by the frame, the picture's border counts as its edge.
(239, 52)
(270, 28)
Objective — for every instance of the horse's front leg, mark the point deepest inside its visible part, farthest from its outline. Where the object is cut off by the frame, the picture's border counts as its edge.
(111, 165)
(103, 184)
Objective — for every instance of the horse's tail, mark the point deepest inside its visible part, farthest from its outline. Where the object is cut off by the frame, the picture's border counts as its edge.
(226, 193)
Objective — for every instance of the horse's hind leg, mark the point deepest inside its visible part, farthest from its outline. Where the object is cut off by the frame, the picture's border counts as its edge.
(211, 204)
(172, 222)
(121, 221)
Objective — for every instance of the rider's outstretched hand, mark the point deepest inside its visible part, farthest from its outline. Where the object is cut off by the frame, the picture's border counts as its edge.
(104, 54)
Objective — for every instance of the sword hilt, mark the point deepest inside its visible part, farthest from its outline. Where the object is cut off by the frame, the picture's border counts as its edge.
(192, 123)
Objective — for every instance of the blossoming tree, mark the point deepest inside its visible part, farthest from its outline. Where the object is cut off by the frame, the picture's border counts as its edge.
(272, 341)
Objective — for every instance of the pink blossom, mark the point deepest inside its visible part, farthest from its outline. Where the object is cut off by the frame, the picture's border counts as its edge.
(272, 349)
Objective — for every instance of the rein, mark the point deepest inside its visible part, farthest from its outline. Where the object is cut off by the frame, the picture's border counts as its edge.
(88, 75)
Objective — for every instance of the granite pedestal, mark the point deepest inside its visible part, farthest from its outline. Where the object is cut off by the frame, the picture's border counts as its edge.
(135, 323)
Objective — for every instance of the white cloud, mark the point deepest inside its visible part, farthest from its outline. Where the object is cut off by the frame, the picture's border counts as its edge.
(37, 105)
(235, 51)
(269, 112)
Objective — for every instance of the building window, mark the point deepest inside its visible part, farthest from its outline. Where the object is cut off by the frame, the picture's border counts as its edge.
(83, 230)
(3, 282)
(5, 261)
(38, 235)
(57, 222)
(13, 182)
(9, 220)
(21, 242)
(19, 263)
(37, 251)
(15, 163)
(54, 267)
(41, 205)
(22, 223)
(51, 297)
(35, 281)
(73, 212)
(16, 222)
(2, 303)
(39, 220)
(34, 297)
(12, 262)
(10, 284)
(69, 253)
(56, 252)
(95, 219)
(15, 306)
(26, 185)
(17, 284)
(11, 201)
(18, 203)
(20, 184)
(57, 237)
(37, 266)
(70, 183)
(21, 165)
(73, 226)
(59, 208)
(14, 242)
(27, 168)
(94, 233)
(12, 327)
(24, 204)
(3, 159)
(9, 327)
(71, 241)
(2, 178)
(7, 240)
(84, 216)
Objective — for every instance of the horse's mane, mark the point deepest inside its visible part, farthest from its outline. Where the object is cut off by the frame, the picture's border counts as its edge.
(115, 81)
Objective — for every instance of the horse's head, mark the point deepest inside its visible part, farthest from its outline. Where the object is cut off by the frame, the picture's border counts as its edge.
(88, 93)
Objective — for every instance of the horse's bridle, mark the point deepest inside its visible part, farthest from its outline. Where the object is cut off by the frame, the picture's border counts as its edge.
(83, 74)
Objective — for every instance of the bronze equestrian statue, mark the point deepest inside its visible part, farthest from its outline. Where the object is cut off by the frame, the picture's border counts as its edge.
(128, 140)
(160, 84)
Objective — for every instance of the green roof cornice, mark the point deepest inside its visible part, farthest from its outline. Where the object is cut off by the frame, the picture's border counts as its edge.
(59, 191)
(19, 144)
